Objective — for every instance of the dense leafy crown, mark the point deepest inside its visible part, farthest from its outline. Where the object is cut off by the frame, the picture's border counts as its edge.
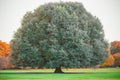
(59, 34)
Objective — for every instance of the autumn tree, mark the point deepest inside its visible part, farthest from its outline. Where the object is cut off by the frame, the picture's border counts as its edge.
(108, 62)
(115, 47)
(4, 55)
(114, 55)
(115, 51)
(117, 59)
(59, 35)
(4, 49)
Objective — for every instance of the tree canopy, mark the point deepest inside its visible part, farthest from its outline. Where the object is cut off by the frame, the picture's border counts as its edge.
(59, 35)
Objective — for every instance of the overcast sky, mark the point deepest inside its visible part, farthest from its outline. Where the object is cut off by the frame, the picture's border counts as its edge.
(12, 11)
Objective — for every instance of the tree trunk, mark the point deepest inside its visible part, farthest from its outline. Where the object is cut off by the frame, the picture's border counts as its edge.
(58, 70)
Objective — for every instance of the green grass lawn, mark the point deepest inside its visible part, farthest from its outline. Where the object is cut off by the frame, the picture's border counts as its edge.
(70, 74)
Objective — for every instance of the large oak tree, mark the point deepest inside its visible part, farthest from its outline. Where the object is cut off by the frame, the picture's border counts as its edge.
(59, 35)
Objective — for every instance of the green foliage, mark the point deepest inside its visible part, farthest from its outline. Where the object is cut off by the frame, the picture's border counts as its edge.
(59, 34)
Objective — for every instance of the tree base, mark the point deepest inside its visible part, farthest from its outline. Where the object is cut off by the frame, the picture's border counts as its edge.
(58, 70)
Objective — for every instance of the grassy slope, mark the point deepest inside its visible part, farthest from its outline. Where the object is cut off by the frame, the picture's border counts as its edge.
(82, 74)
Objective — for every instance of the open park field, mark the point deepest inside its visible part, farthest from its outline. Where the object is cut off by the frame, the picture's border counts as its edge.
(70, 74)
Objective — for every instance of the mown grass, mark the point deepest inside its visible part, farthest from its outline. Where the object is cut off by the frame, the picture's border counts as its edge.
(70, 74)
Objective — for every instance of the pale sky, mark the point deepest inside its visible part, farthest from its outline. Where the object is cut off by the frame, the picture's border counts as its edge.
(12, 11)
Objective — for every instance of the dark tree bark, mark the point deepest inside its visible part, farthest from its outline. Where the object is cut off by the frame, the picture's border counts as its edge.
(58, 70)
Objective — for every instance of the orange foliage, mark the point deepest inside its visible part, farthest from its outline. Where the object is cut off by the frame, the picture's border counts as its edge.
(117, 59)
(109, 61)
(115, 44)
(4, 55)
(4, 49)
(115, 51)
